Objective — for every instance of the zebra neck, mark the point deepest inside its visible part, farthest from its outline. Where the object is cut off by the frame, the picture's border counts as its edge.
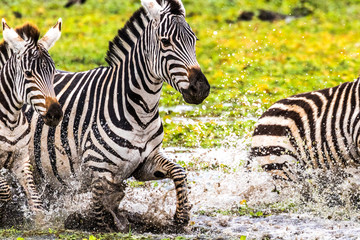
(140, 91)
(11, 103)
(120, 47)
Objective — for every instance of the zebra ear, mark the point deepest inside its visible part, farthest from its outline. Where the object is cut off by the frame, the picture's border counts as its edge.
(153, 9)
(54, 33)
(15, 42)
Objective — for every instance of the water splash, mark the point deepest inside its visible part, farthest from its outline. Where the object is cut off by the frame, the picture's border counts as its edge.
(230, 200)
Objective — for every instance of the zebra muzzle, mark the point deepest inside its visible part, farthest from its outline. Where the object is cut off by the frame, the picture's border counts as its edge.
(54, 112)
(198, 89)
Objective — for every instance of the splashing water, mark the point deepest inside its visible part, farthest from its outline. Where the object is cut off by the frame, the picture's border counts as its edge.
(230, 200)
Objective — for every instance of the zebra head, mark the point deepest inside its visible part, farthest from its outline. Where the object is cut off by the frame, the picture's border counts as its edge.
(170, 49)
(34, 71)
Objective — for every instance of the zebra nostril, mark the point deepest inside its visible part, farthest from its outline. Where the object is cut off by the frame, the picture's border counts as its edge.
(53, 115)
(192, 89)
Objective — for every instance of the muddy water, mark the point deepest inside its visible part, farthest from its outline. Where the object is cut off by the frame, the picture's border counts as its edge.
(220, 185)
(230, 201)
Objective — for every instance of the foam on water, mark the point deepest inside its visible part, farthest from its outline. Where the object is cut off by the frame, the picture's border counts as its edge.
(220, 186)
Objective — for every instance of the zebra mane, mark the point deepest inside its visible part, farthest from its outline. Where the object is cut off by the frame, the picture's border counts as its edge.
(127, 37)
(174, 6)
(26, 32)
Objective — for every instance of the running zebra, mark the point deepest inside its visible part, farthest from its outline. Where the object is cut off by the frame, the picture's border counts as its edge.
(111, 128)
(318, 129)
(26, 76)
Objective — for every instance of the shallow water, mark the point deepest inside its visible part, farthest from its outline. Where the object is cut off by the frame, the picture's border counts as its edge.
(226, 196)
(216, 192)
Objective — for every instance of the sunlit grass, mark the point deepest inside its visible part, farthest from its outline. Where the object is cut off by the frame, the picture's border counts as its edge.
(245, 61)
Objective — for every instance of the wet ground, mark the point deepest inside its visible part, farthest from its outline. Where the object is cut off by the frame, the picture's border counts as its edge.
(230, 201)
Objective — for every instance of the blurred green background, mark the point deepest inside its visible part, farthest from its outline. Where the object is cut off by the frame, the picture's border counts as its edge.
(249, 64)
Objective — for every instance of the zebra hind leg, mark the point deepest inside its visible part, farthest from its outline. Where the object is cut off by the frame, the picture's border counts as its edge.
(23, 171)
(106, 199)
(103, 214)
(5, 192)
(159, 167)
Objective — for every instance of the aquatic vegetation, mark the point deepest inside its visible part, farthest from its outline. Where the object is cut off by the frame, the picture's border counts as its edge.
(67, 234)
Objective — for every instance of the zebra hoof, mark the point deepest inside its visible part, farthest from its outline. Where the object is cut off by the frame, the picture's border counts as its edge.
(182, 218)
(77, 221)
(74, 221)
(109, 223)
(38, 218)
(121, 223)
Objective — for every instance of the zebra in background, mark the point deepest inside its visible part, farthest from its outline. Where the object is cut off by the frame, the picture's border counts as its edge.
(318, 130)
(111, 128)
(26, 77)
(72, 2)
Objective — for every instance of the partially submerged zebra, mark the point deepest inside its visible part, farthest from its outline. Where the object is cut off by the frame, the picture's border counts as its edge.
(319, 129)
(26, 77)
(111, 128)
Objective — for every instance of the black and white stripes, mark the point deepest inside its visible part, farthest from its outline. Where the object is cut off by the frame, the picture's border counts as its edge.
(111, 128)
(26, 77)
(318, 129)
(5, 192)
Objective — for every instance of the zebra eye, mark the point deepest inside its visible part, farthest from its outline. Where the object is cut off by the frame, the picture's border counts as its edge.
(166, 42)
(28, 74)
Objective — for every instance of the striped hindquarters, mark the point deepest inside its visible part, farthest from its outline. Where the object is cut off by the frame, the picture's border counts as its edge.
(313, 129)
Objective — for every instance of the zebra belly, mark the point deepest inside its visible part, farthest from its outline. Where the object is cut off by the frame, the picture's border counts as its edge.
(57, 169)
(14, 140)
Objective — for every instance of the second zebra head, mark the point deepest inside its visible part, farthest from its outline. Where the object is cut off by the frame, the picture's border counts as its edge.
(170, 50)
(34, 69)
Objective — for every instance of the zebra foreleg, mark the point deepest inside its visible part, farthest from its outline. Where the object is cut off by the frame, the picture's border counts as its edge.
(103, 213)
(105, 203)
(159, 167)
(5, 193)
(23, 171)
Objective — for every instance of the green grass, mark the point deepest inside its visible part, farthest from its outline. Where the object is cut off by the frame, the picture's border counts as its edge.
(66, 234)
(249, 65)
(242, 209)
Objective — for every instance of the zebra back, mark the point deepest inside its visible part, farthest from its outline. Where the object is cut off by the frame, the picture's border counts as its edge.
(318, 129)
